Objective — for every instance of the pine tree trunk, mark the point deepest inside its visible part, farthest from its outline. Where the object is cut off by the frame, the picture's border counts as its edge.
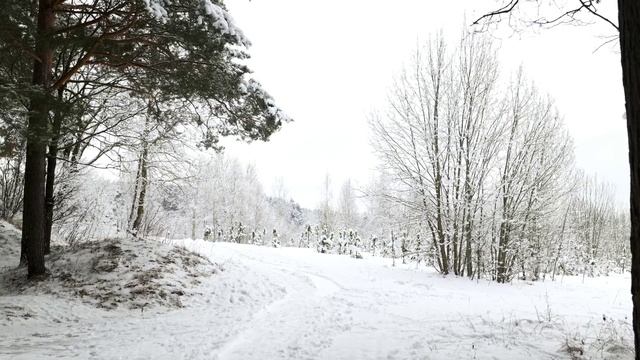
(49, 201)
(34, 181)
(629, 23)
(52, 159)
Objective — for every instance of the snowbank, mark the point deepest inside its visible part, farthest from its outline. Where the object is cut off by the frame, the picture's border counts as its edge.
(59, 317)
(136, 274)
(9, 245)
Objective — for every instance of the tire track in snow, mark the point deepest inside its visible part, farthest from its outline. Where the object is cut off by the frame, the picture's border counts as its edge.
(324, 286)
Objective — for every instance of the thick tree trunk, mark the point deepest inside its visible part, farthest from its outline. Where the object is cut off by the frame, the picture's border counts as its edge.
(629, 23)
(33, 215)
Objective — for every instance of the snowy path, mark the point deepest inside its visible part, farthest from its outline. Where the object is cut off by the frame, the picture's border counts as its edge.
(287, 328)
(297, 304)
(341, 308)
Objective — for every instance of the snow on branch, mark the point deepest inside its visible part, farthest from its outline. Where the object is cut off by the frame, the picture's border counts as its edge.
(222, 20)
(250, 86)
(216, 15)
(156, 8)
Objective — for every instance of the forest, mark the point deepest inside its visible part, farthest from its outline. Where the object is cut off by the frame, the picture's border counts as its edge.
(114, 117)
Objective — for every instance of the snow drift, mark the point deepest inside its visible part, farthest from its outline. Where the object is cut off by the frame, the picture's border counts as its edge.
(137, 274)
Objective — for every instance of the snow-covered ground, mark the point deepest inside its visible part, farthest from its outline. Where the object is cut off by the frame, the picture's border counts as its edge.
(292, 303)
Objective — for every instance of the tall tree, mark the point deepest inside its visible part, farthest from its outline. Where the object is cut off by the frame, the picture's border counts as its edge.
(629, 24)
(439, 139)
(37, 136)
(188, 50)
(347, 209)
(327, 220)
(629, 34)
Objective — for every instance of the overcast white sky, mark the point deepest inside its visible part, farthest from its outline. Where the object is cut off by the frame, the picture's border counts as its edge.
(330, 63)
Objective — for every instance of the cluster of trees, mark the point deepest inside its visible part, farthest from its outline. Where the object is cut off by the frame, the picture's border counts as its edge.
(626, 30)
(475, 168)
(586, 236)
(482, 169)
(226, 200)
(84, 80)
(201, 195)
(578, 229)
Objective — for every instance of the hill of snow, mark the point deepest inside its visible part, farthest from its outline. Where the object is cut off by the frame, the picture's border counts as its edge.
(118, 272)
(9, 245)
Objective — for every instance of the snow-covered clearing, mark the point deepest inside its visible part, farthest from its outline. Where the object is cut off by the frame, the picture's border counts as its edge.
(290, 303)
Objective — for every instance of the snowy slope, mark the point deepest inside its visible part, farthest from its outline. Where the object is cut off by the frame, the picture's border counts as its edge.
(296, 304)
(9, 245)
